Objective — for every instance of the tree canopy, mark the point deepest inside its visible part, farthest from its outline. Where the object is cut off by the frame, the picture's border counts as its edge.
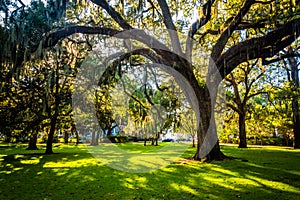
(167, 33)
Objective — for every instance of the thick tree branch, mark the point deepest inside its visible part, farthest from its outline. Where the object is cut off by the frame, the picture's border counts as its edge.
(241, 26)
(279, 58)
(21, 2)
(113, 13)
(219, 46)
(170, 26)
(206, 10)
(51, 39)
(263, 47)
(248, 25)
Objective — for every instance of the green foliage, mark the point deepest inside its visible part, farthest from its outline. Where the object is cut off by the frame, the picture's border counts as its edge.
(33, 92)
(118, 139)
(44, 139)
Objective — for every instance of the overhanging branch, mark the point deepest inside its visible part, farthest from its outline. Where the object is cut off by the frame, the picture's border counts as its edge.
(219, 46)
(113, 13)
(279, 58)
(170, 26)
(52, 39)
(206, 10)
(262, 47)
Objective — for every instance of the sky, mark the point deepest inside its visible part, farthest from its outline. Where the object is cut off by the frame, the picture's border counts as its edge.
(26, 2)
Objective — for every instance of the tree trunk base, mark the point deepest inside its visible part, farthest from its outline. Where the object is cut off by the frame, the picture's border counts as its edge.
(32, 143)
(211, 157)
(296, 143)
(214, 155)
(297, 146)
(32, 148)
(48, 152)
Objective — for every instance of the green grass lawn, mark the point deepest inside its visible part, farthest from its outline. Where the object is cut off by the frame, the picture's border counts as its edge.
(73, 173)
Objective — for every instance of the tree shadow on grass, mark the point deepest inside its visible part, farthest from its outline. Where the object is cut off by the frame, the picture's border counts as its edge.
(78, 175)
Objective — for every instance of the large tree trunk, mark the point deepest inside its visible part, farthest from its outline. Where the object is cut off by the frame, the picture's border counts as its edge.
(296, 124)
(53, 117)
(203, 104)
(109, 131)
(214, 154)
(97, 138)
(7, 134)
(33, 140)
(208, 148)
(295, 103)
(193, 138)
(51, 134)
(242, 131)
(76, 134)
(66, 137)
(157, 137)
(94, 139)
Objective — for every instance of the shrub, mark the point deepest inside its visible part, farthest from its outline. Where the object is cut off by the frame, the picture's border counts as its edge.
(118, 139)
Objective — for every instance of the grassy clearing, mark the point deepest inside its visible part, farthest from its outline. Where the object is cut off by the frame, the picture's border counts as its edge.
(73, 173)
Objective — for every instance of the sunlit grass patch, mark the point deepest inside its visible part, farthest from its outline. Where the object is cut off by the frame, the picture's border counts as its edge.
(138, 147)
(73, 173)
(135, 158)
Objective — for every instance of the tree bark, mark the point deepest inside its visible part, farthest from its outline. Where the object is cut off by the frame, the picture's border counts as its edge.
(109, 131)
(32, 141)
(286, 137)
(51, 134)
(97, 138)
(296, 124)
(94, 139)
(207, 149)
(295, 103)
(76, 134)
(242, 131)
(214, 154)
(66, 137)
(156, 138)
(193, 138)
(53, 118)
(255, 137)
